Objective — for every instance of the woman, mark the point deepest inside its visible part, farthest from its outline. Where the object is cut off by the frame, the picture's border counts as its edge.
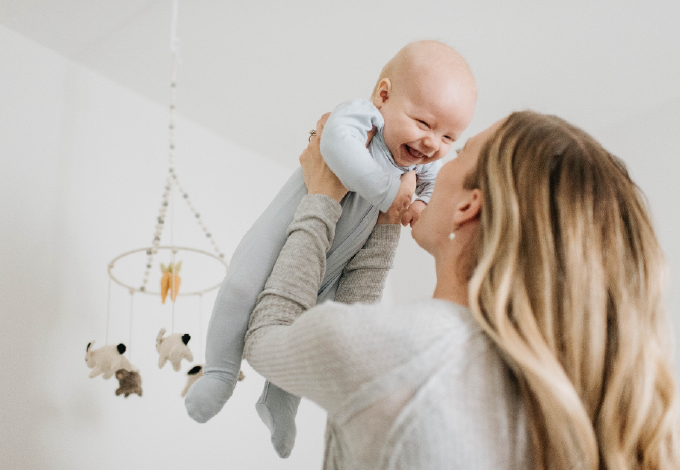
(545, 346)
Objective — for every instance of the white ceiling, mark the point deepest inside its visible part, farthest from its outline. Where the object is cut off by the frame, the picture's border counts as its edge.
(261, 72)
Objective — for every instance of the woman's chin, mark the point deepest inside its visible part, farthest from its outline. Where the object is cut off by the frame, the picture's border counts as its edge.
(415, 233)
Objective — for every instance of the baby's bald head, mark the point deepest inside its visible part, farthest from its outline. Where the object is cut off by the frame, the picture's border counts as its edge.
(420, 60)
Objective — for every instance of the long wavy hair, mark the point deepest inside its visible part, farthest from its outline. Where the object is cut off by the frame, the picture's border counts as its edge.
(568, 283)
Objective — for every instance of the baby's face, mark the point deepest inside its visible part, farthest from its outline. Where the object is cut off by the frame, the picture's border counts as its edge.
(425, 116)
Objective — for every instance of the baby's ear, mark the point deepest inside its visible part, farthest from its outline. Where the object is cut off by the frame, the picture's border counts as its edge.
(382, 92)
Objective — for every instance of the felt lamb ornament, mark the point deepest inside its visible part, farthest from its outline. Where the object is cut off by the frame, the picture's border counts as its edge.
(196, 373)
(106, 360)
(129, 382)
(173, 348)
(193, 375)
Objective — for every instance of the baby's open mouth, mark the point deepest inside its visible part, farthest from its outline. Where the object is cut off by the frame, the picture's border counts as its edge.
(414, 153)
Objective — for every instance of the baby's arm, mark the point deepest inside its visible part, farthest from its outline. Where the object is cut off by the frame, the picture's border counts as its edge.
(343, 146)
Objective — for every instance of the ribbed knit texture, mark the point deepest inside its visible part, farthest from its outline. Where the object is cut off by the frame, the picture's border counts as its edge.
(418, 386)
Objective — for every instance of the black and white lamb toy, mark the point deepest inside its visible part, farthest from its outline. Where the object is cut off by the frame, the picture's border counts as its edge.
(173, 348)
(107, 360)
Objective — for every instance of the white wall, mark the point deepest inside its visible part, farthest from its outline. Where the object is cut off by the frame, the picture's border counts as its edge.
(82, 171)
(649, 143)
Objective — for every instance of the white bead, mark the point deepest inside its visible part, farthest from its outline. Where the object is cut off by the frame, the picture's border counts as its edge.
(452, 236)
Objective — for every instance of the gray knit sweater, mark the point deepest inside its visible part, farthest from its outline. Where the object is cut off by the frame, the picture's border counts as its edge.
(418, 386)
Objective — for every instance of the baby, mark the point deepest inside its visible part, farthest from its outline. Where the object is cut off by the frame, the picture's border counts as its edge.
(421, 104)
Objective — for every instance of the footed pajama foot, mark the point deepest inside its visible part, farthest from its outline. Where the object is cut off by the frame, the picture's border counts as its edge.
(207, 396)
(277, 409)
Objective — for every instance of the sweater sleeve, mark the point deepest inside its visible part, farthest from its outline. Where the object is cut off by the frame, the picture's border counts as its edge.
(363, 279)
(343, 146)
(313, 354)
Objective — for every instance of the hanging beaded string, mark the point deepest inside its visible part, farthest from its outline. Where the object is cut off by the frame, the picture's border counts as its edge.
(169, 182)
(208, 235)
(200, 327)
(172, 179)
(108, 311)
(150, 252)
(173, 274)
(174, 47)
(132, 304)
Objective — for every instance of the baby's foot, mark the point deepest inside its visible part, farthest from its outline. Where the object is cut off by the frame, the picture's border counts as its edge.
(277, 409)
(207, 396)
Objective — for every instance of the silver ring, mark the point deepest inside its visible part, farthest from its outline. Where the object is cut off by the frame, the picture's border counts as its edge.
(311, 133)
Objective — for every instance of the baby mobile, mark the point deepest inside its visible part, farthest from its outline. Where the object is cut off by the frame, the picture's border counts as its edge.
(109, 360)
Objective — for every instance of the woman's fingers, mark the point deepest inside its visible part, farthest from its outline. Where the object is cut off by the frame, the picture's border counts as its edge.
(319, 128)
(322, 122)
(317, 176)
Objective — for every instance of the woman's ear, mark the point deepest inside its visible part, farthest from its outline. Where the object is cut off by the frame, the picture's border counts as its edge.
(469, 209)
(382, 92)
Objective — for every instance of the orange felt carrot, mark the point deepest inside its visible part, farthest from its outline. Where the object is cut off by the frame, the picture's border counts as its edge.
(175, 280)
(170, 281)
(165, 281)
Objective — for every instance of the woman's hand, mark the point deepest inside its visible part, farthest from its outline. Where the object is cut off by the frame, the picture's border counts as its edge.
(318, 178)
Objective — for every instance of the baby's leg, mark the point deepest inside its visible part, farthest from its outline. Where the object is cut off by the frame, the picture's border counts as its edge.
(276, 407)
(248, 271)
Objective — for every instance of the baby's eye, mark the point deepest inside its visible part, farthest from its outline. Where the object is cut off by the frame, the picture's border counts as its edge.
(423, 123)
(448, 138)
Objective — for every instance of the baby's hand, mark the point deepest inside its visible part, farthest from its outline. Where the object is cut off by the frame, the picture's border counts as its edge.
(406, 190)
(402, 200)
(412, 214)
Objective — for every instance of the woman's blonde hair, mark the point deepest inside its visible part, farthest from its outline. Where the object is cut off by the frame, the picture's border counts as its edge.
(568, 284)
